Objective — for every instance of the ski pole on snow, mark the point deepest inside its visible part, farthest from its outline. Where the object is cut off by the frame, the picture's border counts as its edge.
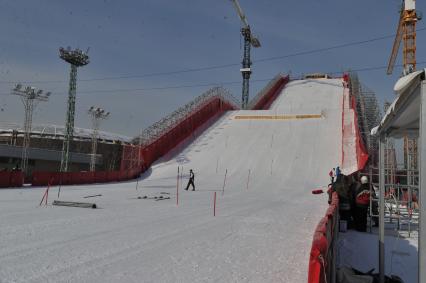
(248, 179)
(214, 204)
(217, 164)
(224, 181)
(46, 195)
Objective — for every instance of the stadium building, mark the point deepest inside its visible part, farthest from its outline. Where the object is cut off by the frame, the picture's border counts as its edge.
(46, 147)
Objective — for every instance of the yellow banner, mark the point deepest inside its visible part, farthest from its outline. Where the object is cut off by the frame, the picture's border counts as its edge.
(277, 117)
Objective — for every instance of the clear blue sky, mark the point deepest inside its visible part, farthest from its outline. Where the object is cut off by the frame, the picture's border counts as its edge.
(130, 38)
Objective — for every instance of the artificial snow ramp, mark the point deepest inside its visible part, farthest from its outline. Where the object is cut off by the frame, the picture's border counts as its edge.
(265, 214)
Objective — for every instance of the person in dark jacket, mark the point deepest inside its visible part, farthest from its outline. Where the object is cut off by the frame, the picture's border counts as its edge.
(362, 201)
(342, 187)
(338, 172)
(191, 180)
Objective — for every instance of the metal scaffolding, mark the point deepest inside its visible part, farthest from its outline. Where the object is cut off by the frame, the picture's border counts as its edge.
(160, 127)
(76, 58)
(30, 97)
(97, 114)
(369, 115)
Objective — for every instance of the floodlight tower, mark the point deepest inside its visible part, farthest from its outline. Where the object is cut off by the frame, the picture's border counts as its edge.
(249, 39)
(97, 115)
(30, 97)
(76, 58)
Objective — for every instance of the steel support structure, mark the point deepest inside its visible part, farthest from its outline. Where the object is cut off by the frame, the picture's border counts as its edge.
(95, 128)
(97, 114)
(29, 97)
(246, 64)
(369, 115)
(76, 58)
(69, 121)
(29, 108)
(422, 194)
(382, 146)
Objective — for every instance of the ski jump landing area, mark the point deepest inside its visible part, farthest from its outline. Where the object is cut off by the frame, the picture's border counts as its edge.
(265, 211)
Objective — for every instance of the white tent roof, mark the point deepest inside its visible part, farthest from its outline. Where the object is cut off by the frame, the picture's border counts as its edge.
(402, 116)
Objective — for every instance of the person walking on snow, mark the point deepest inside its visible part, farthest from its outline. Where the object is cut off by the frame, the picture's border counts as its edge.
(191, 180)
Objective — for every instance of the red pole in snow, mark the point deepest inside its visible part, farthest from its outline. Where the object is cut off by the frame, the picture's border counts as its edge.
(214, 204)
(224, 180)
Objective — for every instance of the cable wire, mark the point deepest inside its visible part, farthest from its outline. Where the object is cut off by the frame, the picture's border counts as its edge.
(207, 68)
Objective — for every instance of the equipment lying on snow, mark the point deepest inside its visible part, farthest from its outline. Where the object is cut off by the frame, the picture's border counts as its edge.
(92, 196)
(156, 198)
(351, 275)
(74, 204)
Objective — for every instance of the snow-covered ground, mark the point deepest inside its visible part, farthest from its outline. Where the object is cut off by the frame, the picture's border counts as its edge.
(264, 221)
(361, 250)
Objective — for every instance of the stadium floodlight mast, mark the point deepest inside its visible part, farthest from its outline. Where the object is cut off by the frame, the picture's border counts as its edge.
(76, 58)
(97, 114)
(30, 97)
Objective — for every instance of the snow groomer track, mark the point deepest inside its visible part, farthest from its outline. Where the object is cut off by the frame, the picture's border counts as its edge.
(265, 212)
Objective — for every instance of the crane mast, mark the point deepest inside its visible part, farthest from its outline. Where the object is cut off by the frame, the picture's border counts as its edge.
(249, 40)
(407, 32)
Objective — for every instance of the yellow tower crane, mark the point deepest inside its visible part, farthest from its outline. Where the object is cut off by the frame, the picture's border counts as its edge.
(406, 31)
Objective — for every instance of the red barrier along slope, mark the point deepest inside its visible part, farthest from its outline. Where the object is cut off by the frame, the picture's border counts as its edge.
(269, 97)
(135, 159)
(322, 253)
(354, 152)
(361, 151)
(11, 179)
(182, 130)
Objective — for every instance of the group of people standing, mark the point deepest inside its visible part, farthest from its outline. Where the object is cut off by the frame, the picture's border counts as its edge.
(354, 199)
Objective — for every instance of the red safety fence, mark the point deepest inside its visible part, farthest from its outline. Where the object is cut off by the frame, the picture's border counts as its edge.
(182, 131)
(361, 151)
(11, 179)
(136, 159)
(322, 261)
(269, 97)
(76, 178)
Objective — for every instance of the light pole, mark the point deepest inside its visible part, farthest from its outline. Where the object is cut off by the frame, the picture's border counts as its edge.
(30, 96)
(97, 114)
(76, 58)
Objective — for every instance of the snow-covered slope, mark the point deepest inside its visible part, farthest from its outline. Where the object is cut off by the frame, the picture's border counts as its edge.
(264, 221)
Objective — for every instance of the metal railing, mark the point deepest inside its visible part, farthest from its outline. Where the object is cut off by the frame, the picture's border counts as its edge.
(253, 102)
(401, 200)
(162, 126)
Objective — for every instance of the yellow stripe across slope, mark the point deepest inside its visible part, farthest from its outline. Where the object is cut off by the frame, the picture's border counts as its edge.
(277, 117)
